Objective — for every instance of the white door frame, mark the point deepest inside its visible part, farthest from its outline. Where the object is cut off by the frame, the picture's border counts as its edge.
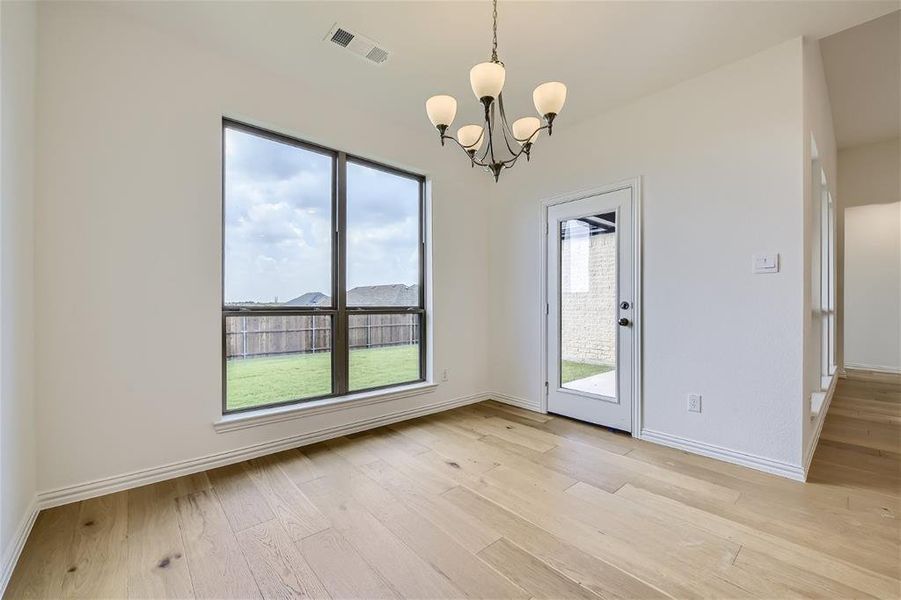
(635, 186)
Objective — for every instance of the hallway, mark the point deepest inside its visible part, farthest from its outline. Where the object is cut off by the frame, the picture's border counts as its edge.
(860, 446)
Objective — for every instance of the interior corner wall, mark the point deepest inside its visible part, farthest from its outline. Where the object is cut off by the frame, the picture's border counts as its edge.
(128, 227)
(17, 416)
(818, 126)
(868, 333)
(719, 158)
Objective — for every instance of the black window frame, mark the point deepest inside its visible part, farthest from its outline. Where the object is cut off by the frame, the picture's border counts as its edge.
(339, 312)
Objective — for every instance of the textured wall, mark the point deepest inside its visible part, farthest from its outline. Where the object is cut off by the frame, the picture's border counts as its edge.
(17, 412)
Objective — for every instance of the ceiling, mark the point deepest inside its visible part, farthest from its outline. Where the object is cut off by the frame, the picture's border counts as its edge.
(606, 52)
(863, 72)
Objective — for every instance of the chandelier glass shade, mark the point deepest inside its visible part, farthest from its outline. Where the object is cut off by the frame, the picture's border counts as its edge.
(487, 148)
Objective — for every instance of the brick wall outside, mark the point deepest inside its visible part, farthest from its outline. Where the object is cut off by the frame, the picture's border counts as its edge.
(588, 294)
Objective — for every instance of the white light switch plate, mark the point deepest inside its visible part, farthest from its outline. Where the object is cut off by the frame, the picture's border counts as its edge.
(765, 263)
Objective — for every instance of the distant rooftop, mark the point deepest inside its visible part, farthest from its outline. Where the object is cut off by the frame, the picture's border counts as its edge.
(393, 294)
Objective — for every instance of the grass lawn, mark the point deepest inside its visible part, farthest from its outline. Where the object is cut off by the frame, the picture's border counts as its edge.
(267, 380)
(575, 370)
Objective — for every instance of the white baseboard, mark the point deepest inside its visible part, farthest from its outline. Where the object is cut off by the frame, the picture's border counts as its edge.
(533, 405)
(818, 427)
(12, 553)
(753, 461)
(108, 485)
(877, 368)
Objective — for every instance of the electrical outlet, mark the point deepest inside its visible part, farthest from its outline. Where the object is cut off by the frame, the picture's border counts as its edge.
(444, 375)
(694, 403)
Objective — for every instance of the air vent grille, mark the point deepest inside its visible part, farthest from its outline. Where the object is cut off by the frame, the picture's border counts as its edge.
(358, 44)
(342, 38)
(377, 55)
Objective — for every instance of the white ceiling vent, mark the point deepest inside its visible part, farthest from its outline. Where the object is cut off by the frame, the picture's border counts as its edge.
(358, 44)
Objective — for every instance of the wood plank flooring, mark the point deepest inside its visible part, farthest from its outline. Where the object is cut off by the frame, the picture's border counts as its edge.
(490, 501)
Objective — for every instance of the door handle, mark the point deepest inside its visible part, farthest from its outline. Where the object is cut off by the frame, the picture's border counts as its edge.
(624, 322)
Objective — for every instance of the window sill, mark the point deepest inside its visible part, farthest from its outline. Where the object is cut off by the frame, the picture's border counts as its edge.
(267, 416)
(817, 399)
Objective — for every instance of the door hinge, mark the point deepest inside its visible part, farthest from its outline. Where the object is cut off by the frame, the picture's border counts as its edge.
(547, 228)
(547, 387)
(547, 309)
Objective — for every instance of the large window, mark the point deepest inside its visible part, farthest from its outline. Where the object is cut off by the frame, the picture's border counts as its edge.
(323, 272)
(822, 285)
(825, 214)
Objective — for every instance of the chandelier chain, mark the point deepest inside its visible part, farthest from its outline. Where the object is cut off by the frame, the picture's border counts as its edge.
(494, 32)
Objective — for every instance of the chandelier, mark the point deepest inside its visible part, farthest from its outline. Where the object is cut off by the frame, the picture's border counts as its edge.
(487, 80)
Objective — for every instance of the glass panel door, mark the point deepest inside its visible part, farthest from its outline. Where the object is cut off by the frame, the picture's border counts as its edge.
(590, 312)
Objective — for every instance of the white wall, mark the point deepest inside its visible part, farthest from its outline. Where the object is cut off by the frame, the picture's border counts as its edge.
(128, 241)
(869, 309)
(818, 126)
(873, 287)
(720, 157)
(17, 442)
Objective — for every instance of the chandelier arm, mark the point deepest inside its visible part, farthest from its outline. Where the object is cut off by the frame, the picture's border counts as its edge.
(504, 121)
(542, 128)
(491, 122)
(480, 139)
(482, 160)
(511, 161)
(479, 161)
(514, 155)
(504, 116)
(505, 127)
(454, 140)
(484, 156)
(471, 157)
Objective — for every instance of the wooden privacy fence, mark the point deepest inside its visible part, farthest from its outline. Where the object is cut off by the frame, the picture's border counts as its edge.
(270, 335)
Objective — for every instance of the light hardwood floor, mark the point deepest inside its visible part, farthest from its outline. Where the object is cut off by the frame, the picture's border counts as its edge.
(494, 502)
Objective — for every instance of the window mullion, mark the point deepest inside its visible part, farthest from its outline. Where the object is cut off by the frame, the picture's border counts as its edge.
(341, 330)
(423, 351)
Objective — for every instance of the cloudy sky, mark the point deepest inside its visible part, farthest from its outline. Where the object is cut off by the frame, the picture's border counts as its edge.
(278, 222)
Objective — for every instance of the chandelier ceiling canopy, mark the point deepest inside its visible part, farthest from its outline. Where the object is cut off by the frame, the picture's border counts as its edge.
(496, 151)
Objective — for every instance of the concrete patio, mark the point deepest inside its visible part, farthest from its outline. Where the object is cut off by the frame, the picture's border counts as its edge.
(602, 384)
